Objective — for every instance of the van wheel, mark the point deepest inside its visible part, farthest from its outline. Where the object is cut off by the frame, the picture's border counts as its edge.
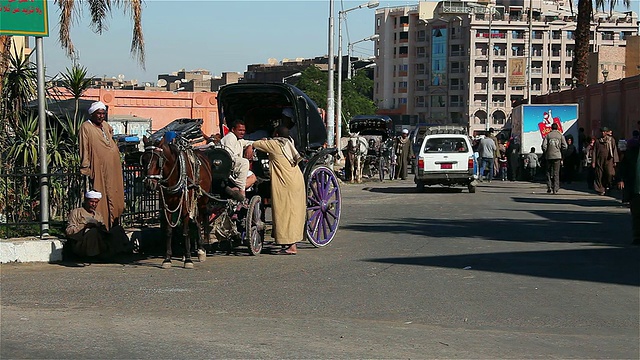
(420, 186)
(472, 189)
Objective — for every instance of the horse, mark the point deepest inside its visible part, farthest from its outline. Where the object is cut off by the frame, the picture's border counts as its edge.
(356, 151)
(181, 175)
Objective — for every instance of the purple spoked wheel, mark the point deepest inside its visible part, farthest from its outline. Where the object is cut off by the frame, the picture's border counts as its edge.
(323, 206)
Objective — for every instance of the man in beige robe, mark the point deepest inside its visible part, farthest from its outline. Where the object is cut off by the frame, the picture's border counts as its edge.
(87, 232)
(100, 160)
(288, 195)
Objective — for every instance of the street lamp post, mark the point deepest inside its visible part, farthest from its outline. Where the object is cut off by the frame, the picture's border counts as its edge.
(341, 18)
(489, 66)
(284, 79)
(350, 50)
(330, 105)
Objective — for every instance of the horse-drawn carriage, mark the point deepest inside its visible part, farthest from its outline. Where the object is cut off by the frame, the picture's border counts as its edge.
(194, 183)
(378, 132)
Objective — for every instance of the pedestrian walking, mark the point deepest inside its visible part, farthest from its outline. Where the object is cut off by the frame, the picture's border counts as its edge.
(588, 161)
(570, 161)
(532, 163)
(487, 149)
(552, 147)
(503, 167)
(630, 181)
(404, 153)
(605, 158)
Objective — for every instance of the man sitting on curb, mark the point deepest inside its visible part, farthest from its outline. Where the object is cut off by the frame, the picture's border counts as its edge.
(87, 234)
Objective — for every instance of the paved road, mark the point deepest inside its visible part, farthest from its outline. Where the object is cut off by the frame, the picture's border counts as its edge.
(508, 272)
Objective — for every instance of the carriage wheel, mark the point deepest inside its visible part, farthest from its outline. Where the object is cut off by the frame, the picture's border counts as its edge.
(253, 226)
(323, 206)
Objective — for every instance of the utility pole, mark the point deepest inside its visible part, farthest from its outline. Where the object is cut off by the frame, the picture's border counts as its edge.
(331, 112)
(489, 66)
(529, 84)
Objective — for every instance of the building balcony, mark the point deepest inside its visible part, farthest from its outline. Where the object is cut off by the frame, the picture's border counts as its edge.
(402, 90)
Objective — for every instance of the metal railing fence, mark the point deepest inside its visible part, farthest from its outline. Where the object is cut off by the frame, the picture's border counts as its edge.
(20, 201)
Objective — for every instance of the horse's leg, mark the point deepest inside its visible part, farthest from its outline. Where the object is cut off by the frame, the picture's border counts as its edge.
(188, 264)
(352, 167)
(202, 254)
(166, 263)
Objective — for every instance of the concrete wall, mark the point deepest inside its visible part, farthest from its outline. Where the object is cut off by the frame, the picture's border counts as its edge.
(615, 104)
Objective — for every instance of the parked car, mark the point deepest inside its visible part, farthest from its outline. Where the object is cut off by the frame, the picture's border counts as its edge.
(445, 158)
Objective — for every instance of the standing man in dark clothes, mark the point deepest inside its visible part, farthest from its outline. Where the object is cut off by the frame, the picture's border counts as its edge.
(569, 161)
(552, 146)
(630, 181)
(513, 157)
(605, 158)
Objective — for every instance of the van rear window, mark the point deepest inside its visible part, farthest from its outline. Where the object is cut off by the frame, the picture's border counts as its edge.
(445, 145)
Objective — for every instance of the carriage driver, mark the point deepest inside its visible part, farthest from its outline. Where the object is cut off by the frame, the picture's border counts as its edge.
(236, 144)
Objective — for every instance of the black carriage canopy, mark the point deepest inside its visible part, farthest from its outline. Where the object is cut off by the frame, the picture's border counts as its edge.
(372, 125)
(261, 106)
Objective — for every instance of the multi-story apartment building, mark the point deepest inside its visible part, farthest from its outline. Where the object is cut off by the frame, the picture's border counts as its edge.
(455, 62)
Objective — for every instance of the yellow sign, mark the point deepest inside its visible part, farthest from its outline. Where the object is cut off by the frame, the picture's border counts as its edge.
(517, 68)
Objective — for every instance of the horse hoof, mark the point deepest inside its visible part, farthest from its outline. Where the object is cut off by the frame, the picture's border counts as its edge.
(166, 264)
(202, 256)
(188, 265)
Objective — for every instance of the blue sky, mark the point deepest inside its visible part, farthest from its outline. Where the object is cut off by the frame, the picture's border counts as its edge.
(219, 36)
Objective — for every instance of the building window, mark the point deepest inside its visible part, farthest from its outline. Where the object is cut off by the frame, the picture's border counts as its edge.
(438, 101)
(422, 35)
(402, 101)
(421, 69)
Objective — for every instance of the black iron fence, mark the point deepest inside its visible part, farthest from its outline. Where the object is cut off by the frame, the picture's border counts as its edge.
(20, 201)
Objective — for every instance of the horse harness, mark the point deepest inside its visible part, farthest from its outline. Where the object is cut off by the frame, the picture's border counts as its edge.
(184, 183)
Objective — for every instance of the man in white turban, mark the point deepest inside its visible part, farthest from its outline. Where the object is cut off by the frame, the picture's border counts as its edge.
(87, 233)
(100, 161)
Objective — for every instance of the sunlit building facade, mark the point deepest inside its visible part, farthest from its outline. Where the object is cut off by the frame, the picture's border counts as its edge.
(455, 62)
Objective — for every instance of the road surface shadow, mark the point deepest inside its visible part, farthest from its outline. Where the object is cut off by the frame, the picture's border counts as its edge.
(557, 226)
(610, 265)
(596, 201)
(413, 190)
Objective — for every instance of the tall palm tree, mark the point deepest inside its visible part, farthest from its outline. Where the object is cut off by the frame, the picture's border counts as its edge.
(583, 36)
(99, 10)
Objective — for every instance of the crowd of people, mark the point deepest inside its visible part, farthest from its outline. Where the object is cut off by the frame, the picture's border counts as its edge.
(598, 160)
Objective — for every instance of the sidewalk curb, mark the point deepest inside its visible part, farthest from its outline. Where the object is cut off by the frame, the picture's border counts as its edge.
(30, 250)
(34, 249)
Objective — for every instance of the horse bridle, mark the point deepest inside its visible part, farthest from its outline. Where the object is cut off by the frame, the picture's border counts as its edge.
(154, 151)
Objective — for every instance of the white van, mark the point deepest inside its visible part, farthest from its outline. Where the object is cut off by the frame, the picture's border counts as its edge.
(446, 158)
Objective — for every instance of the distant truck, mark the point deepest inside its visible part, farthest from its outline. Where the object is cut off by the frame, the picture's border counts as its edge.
(531, 123)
